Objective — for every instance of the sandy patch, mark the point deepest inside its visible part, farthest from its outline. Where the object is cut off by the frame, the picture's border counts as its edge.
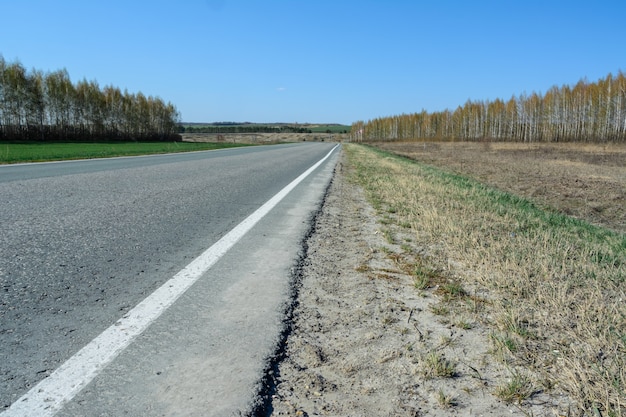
(367, 342)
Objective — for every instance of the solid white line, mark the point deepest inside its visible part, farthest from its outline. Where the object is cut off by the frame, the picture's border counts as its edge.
(49, 396)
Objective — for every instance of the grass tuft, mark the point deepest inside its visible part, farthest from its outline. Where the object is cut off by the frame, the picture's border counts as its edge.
(444, 400)
(437, 366)
(517, 389)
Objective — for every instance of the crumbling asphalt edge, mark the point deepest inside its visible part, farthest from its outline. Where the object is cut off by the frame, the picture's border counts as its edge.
(262, 404)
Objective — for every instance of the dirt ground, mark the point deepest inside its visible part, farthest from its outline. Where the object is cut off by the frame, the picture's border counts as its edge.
(587, 181)
(365, 340)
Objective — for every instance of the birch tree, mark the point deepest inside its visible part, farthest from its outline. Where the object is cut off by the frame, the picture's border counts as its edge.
(583, 112)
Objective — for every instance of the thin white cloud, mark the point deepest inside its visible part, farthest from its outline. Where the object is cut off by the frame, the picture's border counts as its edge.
(281, 89)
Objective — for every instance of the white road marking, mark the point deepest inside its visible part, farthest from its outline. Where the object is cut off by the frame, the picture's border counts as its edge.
(48, 396)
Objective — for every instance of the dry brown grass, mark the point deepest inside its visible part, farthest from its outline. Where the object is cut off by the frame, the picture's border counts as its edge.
(554, 287)
(587, 181)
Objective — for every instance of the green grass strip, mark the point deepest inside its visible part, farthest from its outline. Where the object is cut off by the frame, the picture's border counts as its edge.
(530, 215)
(11, 153)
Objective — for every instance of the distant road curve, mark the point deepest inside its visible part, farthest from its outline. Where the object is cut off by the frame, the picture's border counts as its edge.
(87, 241)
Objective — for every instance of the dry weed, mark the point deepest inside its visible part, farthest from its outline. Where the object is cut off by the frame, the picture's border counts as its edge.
(554, 286)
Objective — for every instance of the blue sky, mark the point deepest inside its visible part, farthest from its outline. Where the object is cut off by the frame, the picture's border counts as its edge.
(322, 61)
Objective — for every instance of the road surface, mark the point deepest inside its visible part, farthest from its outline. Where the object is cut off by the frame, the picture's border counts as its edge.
(85, 242)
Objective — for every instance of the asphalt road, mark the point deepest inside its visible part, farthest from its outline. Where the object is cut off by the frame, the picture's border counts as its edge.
(84, 242)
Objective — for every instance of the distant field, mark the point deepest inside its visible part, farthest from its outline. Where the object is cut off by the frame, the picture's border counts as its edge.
(265, 127)
(11, 153)
(332, 128)
(587, 181)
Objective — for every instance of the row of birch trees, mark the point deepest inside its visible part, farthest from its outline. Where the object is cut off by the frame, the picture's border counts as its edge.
(38, 106)
(586, 112)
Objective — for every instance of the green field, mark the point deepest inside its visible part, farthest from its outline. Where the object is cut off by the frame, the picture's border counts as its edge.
(11, 153)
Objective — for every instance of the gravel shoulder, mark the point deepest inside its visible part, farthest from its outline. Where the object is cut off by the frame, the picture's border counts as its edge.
(365, 340)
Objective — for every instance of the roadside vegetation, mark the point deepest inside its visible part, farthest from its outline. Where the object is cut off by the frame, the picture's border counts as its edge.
(550, 288)
(11, 153)
(585, 181)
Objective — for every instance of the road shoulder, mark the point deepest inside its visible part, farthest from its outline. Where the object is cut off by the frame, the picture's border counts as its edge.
(363, 336)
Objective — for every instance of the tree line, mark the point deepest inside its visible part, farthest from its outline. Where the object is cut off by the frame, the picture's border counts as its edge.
(586, 112)
(251, 128)
(38, 106)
